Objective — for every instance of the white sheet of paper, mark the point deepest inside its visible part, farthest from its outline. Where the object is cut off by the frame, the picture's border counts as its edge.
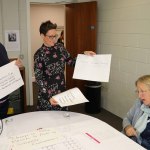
(93, 68)
(10, 79)
(52, 139)
(35, 139)
(70, 97)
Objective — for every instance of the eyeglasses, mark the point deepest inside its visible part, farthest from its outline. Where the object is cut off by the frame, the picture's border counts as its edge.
(52, 37)
(141, 91)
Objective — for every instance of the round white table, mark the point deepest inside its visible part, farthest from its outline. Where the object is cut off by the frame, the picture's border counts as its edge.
(74, 131)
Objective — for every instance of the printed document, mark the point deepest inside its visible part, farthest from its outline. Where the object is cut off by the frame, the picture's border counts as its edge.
(54, 139)
(70, 97)
(10, 79)
(93, 68)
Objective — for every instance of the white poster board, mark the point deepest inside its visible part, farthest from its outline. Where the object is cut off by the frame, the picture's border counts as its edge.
(10, 79)
(93, 68)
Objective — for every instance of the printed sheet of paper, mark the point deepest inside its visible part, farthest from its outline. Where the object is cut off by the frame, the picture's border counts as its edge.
(93, 68)
(70, 97)
(52, 139)
(10, 79)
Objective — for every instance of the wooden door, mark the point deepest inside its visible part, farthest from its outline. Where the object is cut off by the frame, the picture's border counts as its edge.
(81, 20)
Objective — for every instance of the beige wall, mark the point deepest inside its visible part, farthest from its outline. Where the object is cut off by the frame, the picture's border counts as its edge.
(124, 31)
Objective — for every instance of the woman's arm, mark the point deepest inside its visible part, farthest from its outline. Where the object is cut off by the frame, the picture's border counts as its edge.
(129, 120)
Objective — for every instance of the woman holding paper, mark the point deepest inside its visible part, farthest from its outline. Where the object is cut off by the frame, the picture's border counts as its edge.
(49, 67)
(4, 102)
(136, 124)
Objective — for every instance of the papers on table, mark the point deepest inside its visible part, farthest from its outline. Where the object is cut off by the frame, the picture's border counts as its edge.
(34, 140)
(53, 139)
(81, 135)
(93, 68)
(70, 97)
(10, 79)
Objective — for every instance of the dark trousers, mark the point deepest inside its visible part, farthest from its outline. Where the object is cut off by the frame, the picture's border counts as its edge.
(3, 109)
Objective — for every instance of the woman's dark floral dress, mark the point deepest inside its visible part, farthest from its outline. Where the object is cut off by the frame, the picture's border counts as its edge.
(49, 66)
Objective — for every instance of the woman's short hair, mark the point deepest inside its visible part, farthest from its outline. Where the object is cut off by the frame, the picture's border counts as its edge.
(46, 26)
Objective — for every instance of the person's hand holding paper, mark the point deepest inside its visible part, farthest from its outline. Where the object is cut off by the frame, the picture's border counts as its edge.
(96, 68)
(10, 79)
(70, 97)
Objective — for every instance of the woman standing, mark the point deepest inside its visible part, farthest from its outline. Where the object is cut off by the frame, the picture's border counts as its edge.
(49, 67)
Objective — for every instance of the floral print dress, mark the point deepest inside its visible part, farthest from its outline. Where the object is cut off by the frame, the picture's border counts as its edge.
(49, 67)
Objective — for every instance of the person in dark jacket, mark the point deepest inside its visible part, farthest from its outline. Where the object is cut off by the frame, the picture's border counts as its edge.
(4, 102)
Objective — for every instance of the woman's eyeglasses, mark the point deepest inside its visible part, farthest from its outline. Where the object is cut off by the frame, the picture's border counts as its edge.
(141, 91)
(52, 37)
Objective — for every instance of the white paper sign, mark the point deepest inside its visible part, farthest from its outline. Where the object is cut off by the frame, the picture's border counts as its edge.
(10, 79)
(93, 68)
(70, 97)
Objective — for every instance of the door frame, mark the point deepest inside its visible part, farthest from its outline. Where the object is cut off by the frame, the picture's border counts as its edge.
(28, 3)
